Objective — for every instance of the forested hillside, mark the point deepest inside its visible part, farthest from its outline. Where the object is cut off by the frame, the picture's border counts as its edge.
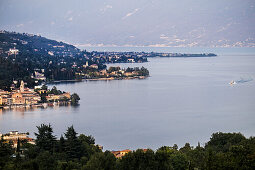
(23, 54)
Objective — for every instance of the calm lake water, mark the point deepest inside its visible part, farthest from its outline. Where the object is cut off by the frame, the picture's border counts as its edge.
(184, 100)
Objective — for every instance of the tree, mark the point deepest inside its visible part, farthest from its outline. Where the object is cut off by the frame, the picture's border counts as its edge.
(163, 156)
(138, 159)
(75, 99)
(44, 87)
(101, 161)
(186, 148)
(87, 145)
(197, 157)
(43, 97)
(18, 146)
(179, 161)
(73, 145)
(45, 139)
(222, 141)
(5, 152)
(61, 144)
(46, 161)
(175, 147)
(88, 139)
(143, 71)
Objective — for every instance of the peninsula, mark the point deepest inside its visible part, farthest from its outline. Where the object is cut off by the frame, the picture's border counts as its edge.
(38, 60)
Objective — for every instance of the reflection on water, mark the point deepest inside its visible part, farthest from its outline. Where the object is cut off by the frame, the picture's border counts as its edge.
(19, 109)
(22, 111)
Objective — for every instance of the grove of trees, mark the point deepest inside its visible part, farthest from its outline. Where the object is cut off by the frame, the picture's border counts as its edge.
(73, 151)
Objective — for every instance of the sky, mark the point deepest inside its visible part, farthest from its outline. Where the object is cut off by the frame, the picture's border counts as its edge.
(176, 23)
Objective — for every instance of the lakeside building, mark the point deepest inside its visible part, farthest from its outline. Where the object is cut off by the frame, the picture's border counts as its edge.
(52, 97)
(27, 97)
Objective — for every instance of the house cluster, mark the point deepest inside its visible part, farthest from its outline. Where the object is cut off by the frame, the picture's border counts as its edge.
(13, 137)
(27, 97)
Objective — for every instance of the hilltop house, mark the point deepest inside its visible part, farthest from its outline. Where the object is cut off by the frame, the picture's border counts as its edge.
(119, 154)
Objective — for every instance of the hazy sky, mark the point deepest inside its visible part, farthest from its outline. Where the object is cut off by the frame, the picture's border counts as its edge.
(134, 22)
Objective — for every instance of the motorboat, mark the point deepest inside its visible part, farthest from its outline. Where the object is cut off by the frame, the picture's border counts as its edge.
(232, 82)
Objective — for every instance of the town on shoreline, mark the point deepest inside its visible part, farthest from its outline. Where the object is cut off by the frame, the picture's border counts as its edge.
(40, 96)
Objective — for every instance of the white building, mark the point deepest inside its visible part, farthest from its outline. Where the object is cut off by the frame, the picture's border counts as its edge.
(13, 51)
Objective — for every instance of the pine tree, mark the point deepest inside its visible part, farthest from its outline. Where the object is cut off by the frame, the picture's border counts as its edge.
(45, 139)
(61, 146)
(73, 145)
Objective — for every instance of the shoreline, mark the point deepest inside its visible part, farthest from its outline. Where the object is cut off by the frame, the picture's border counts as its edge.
(98, 79)
(119, 78)
(40, 105)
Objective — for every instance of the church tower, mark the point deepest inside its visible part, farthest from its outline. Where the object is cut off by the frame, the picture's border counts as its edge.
(22, 86)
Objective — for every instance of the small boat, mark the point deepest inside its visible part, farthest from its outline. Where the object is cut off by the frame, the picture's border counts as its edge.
(232, 82)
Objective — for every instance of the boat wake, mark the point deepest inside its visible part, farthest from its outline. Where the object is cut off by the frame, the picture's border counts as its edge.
(242, 80)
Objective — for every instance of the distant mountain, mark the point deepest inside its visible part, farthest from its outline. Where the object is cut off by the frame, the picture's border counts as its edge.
(157, 23)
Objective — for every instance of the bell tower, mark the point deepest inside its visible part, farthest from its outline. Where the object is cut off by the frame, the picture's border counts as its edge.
(21, 88)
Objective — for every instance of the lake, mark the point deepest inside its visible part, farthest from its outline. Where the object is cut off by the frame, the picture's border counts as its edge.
(184, 100)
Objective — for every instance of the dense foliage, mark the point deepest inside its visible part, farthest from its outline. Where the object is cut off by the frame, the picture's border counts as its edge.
(73, 151)
(13, 71)
(141, 71)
